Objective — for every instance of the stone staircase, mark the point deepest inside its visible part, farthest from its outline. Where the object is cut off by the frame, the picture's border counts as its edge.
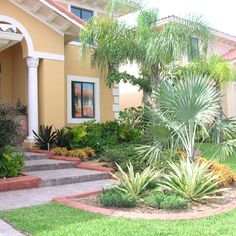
(57, 172)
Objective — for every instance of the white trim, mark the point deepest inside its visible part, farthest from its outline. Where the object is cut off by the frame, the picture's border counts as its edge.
(75, 43)
(62, 14)
(96, 82)
(51, 56)
(23, 30)
(37, 17)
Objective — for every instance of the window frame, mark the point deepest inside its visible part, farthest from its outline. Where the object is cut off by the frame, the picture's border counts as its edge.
(195, 51)
(96, 98)
(81, 10)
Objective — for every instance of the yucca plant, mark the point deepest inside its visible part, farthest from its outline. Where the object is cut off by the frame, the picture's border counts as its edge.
(192, 180)
(45, 137)
(133, 183)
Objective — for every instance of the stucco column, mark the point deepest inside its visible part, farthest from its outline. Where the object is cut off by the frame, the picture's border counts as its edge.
(33, 119)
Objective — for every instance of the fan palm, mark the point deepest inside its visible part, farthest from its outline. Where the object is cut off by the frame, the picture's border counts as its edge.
(190, 103)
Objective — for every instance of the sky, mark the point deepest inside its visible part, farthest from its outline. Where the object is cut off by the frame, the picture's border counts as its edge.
(219, 14)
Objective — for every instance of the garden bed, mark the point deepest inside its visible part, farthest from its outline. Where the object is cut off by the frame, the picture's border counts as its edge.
(89, 202)
(21, 182)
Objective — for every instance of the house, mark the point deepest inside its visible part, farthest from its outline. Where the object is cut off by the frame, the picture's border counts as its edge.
(40, 63)
(223, 44)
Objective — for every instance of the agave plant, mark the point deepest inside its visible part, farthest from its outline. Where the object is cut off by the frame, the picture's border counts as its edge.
(45, 137)
(132, 183)
(192, 180)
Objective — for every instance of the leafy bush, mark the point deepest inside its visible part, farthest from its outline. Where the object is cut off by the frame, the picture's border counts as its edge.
(163, 200)
(62, 137)
(20, 108)
(133, 183)
(8, 127)
(192, 181)
(226, 177)
(83, 154)
(45, 138)
(11, 162)
(122, 154)
(115, 198)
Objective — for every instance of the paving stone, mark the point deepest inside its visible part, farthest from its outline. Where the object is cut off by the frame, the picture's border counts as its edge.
(47, 164)
(37, 196)
(8, 230)
(68, 176)
(35, 156)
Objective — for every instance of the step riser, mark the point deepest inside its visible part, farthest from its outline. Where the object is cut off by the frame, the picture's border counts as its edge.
(36, 157)
(49, 167)
(73, 180)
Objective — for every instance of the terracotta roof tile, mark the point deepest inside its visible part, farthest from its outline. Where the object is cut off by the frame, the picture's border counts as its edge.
(65, 11)
(230, 55)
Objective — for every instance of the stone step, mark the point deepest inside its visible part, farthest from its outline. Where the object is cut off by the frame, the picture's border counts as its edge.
(68, 176)
(47, 164)
(35, 156)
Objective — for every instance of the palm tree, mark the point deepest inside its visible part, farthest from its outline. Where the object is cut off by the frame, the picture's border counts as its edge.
(114, 43)
(190, 103)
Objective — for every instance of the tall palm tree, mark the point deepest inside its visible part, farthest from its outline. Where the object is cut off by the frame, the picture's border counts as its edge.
(115, 43)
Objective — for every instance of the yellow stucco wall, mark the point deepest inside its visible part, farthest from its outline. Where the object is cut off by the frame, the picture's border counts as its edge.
(13, 75)
(75, 65)
(44, 38)
(51, 93)
(52, 76)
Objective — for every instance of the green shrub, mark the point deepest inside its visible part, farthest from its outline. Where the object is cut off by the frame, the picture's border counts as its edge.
(62, 137)
(161, 200)
(45, 137)
(115, 198)
(8, 127)
(11, 162)
(122, 154)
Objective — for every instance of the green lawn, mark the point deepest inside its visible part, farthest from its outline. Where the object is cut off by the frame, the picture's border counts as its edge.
(208, 152)
(58, 220)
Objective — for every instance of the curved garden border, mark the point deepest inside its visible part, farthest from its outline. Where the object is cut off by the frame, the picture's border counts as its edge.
(68, 201)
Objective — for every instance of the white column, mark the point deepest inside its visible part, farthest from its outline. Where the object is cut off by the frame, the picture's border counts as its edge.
(32, 64)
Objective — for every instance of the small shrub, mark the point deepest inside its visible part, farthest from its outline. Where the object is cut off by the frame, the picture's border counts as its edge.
(89, 152)
(60, 151)
(191, 180)
(115, 198)
(161, 200)
(8, 127)
(226, 176)
(122, 154)
(45, 138)
(62, 137)
(133, 183)
(79, 153)
(11, 162)
(20, 108)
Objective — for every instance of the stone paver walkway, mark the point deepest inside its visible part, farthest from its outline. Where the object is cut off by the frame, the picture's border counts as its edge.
(36, 196)
(8, 230)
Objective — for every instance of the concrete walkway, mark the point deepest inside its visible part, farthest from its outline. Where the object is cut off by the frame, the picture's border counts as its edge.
(36, 196)
(8, 230)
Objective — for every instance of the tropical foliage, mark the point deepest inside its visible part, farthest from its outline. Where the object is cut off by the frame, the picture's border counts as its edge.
(114, 43)
(192, 180)
(133, 183)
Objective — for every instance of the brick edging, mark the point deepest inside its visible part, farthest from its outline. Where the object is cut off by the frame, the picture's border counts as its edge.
(64, 158)
(68, 201)
(21, 182)
(95, 167)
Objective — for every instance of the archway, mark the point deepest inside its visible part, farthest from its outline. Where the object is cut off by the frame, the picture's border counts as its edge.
(32, 63)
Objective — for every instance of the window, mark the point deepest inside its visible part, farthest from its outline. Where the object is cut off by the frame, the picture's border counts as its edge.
(194, 51)
(83, 99)
(82, 13)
